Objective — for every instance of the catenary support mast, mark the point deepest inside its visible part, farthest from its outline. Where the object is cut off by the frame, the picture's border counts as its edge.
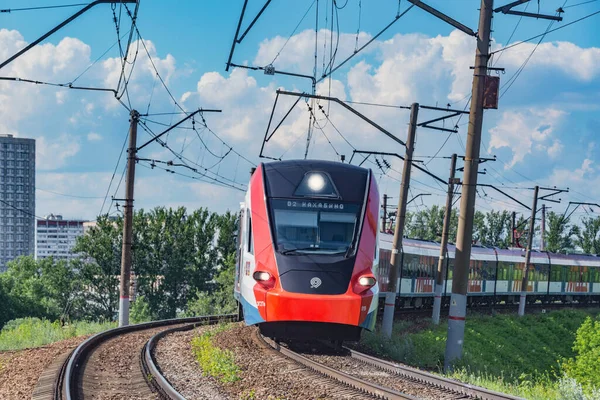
(525, 282)
(395, 262)
(441, 270)
(128, 222)
(458, 299)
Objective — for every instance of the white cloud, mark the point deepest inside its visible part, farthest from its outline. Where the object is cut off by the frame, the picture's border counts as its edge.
(53, 153)
(580, 63)
(555, 150)
(94, 137)
(523, 130)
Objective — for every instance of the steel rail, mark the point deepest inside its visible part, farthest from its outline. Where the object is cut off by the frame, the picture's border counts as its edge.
(356, 383)
(431, 379)
(153, 374)
(78, 356)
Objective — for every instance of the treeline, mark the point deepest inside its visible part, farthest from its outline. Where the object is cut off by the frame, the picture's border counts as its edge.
(183, 264)
(493, 229)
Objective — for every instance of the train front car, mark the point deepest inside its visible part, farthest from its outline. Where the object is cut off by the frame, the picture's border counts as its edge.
(308, 250)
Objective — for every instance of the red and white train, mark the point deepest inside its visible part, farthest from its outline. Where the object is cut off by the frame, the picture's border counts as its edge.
(308, 254)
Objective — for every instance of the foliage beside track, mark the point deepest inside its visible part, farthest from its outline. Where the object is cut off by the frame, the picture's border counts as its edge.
(34, 332)
(523, 356)
(179, 266)
(214, 361)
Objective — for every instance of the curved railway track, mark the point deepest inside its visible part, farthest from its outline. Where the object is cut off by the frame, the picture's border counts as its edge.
(369, 382)
(85, 374)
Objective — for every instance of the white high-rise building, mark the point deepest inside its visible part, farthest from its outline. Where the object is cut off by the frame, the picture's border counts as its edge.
(17, 198)
(56, 237)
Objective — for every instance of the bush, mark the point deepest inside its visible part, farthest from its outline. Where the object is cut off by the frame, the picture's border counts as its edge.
(140, 311)
(585, 366)
(34, 332)
(214, 361)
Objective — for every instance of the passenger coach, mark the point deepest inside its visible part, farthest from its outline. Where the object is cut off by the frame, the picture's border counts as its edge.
(495, 275)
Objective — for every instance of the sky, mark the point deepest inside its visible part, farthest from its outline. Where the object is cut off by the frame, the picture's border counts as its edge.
(545, 131)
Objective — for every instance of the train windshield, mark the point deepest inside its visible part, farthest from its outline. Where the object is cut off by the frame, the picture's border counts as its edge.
(314, 227)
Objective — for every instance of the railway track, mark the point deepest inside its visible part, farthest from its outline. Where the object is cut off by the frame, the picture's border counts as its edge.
(382, 379)
(118, 363)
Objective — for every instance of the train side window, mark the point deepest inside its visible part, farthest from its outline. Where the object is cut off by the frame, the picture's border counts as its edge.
(596, 275)
(250, 241)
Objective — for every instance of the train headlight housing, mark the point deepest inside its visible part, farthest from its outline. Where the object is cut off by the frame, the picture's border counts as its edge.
(261, 276)
(367, 281)
(316, 182)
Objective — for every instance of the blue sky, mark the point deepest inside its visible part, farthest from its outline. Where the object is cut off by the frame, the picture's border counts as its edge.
(544, 132)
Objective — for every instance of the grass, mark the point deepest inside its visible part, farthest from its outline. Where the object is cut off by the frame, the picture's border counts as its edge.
(214, 361)
(33, 332)
(521, 356)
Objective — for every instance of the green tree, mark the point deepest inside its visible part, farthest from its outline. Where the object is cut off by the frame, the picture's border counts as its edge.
(587, 236)
(586, 364)
(558, 233)
(99, 268)
(220, 299)
(174, 257)
(427, 224)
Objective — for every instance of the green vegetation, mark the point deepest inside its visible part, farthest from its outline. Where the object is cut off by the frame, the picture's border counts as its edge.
(214, 361)
(34, 332)
(493, 229)
(178, 269)
(585, 366)
(522, 356)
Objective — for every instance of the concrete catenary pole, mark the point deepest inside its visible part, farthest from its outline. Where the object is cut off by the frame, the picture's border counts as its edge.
(390, 297)
(128, 222)
(441, 270)
(513, 226)
(384, 215)
(458, 299)
(525, 282)
(543, 228)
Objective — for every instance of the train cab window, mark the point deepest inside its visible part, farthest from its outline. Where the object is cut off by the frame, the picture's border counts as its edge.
(323, 228)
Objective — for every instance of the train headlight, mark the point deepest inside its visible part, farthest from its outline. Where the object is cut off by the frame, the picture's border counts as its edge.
(261, 276)
(316, 182)
(367, 281)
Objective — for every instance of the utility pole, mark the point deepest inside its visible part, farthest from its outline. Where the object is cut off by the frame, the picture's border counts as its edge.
(441, 270)
(128, 221)
(525, 282)
(384, 216)
(458, 299)
(513, 226)
(390, 297)
(543, 228)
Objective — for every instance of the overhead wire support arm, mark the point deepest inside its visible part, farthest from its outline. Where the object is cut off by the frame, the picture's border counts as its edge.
(507, 9)
(60, 26)
(443, 17)
(346, 106)
(577, 204)
(413, 162)
(238, 39)
(200, 110)
(505, 194)
(417, 196)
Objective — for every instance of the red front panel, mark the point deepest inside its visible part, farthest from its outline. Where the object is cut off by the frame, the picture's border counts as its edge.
(275, 304)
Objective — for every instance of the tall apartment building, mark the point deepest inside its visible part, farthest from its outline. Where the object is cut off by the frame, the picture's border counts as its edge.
(56, 237)
(17, 198)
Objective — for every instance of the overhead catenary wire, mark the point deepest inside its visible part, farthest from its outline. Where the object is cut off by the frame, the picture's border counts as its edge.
(11, 10)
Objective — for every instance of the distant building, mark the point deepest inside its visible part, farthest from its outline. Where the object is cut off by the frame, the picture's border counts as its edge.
(17, 198)
(56, 237)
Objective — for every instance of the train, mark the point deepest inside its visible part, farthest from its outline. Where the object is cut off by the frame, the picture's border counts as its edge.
(307, 250)
(495, 275)
(312, 262)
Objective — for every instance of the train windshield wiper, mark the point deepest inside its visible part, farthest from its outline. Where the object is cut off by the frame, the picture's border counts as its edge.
(322, 251)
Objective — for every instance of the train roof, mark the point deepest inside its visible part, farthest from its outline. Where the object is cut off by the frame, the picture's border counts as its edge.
(309, 165)
(431, 248)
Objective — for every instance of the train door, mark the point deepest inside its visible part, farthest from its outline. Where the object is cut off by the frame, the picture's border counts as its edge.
(238, 254)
